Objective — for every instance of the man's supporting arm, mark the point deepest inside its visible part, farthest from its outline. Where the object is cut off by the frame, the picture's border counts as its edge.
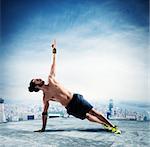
(44, 116)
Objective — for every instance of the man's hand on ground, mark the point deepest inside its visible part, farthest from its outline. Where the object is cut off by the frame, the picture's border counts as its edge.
(41, 130)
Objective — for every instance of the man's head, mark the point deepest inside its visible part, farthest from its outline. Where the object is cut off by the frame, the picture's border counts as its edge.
(34, 83)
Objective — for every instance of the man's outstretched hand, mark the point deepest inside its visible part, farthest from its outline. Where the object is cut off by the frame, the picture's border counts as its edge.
(54, 47)
(41, 130)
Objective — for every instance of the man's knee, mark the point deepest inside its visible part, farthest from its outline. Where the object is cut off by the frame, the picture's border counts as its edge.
(87, 115)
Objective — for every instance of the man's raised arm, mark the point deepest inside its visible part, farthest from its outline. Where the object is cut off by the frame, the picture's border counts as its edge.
(53, 66)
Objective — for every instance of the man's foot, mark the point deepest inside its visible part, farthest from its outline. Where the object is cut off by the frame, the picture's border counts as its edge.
(113, 129)
(116, 130)
(107, 127)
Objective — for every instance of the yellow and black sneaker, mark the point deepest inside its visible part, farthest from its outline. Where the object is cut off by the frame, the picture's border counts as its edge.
(107, 127)
(113, 129)
(116, 130)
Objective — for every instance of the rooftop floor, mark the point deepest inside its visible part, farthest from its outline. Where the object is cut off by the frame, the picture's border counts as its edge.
(72, 132)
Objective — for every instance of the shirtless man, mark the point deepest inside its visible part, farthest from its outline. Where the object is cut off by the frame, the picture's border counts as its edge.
(75, 104)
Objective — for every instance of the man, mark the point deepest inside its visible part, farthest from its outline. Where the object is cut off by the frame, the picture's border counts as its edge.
(75, 104)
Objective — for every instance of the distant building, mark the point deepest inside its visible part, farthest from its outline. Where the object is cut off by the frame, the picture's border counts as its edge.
(2, 114)
(111, 105)
(146, 116)
(30, 117)
(110, 109)
(108, 115)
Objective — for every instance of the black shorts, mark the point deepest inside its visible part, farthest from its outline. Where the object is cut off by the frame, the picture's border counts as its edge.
(78, 106)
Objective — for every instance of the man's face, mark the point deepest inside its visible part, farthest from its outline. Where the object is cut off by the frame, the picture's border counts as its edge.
(38, 82)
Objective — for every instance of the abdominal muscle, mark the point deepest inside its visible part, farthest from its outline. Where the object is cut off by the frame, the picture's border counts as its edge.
(63, 98)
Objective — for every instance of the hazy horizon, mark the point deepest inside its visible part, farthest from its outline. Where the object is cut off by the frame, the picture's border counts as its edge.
(116, 102)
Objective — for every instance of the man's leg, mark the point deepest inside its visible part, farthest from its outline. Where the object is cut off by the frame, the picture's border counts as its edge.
(93, 119)
(96, 115)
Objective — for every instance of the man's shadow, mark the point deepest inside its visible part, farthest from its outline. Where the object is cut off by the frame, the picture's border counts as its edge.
(77, 129)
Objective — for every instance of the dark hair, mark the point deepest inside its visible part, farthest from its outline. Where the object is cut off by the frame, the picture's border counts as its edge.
(32, 87)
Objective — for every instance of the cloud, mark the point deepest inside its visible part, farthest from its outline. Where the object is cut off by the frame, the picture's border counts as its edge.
(99, 67)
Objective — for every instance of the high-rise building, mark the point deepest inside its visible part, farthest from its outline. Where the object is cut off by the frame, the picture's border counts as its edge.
(110, 109)
(2, 113)
(146, 116)
(111, 105)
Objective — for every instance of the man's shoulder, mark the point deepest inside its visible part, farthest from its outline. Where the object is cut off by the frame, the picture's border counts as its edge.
(52, 79)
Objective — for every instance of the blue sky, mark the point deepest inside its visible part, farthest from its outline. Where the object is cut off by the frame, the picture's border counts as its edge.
(102, 47)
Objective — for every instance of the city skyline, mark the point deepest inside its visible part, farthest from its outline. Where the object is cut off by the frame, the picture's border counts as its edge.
(102, 48)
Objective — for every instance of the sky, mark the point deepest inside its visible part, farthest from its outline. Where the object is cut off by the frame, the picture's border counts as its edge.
(102, 48)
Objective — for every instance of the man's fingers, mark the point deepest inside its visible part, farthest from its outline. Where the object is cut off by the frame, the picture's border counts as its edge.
(54, 44)
(37, 131)
(41, 130)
